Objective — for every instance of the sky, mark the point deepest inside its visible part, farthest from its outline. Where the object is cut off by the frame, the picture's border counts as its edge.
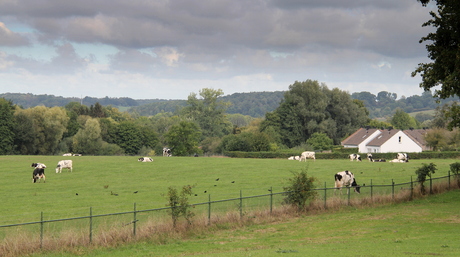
(169, 49)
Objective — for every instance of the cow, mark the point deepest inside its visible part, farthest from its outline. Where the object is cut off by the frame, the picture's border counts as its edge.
(76, 154)
(369, 157)
(296, 157)
(64, 164)
(38, 173)
(145, 159)
(305, 155)
(67, 154)
(356, 157)
(403, 156)
(379, 160)
(291, 158)
(167, 152)
(38, 165)
(346, 179)
(397, 160)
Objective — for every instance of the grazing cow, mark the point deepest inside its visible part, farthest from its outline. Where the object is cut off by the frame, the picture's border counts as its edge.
(39, 173)
(167, 152)
(403, 156)
(67, 154)
(291, 158)
(77, 154)
(356, 157)
(38, 165)
(346, 179)
(305, 155)
(64, 164)
(369, 157)
(145, 159)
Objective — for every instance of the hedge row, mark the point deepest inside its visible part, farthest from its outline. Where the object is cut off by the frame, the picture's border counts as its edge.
(341, 155)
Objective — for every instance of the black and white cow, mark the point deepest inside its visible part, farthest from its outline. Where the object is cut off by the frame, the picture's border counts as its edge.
(307, 155)
(356, 157)
(403, 157)
(167, 152)
(346, 179)
(369, 157)
(64, 164)
(38, 165)
(145, 159)
(38, 174)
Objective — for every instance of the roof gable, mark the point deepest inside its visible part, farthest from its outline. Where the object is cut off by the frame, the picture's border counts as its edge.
(359, 136)
(383, 137)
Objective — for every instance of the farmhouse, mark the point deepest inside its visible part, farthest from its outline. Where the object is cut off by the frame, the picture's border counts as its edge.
(387, 140)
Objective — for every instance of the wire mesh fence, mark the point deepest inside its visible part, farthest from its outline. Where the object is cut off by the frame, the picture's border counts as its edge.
(98, 224)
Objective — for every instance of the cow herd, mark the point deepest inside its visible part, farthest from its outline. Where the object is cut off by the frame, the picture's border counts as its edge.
(347, 178)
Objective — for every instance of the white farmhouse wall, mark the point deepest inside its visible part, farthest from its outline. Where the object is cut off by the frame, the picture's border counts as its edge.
(400, 142)
(362, 147)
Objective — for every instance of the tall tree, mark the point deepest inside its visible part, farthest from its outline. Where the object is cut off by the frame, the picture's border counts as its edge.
(310, 107)
(444, 51)
(402, 120)
(183, 138)
(7, 126)
(88, 140)
(209, 112)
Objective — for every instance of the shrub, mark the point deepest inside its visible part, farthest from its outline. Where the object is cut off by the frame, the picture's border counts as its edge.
(299, 190)
(179, 204)
(423, 172)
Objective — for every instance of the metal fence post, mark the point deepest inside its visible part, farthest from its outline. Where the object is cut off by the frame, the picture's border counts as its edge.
(41, 230)
(209, 209)
(411, 188)
(372, 192)
(134, 220)
(448, 173)
(392, 189)
(271, 200)
(241, 204)
(325, 196)
(90, 225)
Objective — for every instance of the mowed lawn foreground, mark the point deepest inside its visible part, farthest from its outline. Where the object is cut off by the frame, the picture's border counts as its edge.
(96, 179)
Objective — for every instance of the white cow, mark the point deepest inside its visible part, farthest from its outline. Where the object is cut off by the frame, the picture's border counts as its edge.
(291, 158)
(305, 155)
(356, 157)
(297, 158)
(64, 164)
(346, 179)
(145, 159)
(167, 152)
(67, 154)
(404, 157)
(397, 160)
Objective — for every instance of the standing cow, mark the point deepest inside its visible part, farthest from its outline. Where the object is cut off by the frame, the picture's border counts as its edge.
(64, 164)
(167, 152)
(305, 155)
(346, 179)
(39, 172)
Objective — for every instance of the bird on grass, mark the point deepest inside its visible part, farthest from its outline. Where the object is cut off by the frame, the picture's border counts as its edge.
(136, 192)
(112, 193)
(76, 194)
(217, 179)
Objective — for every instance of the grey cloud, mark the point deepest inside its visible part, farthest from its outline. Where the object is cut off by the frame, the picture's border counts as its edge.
(9, 38)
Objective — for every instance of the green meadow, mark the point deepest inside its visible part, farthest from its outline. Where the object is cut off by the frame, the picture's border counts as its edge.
(96, 179)
(109, 184)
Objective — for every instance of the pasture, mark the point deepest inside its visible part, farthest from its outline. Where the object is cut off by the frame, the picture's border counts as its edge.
(108, 183)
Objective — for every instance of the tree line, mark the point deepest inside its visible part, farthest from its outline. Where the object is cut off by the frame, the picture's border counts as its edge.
(310, 116)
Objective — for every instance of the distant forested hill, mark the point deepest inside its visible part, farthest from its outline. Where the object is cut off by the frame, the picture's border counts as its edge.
(254, 104)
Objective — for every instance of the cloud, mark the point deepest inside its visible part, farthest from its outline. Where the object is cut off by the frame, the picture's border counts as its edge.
(9, 38)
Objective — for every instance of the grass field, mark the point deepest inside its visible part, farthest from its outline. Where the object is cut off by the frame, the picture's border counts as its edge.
(371, 230)
(95, 178)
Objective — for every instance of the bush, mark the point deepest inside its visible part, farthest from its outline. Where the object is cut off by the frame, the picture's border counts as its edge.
(299, 190)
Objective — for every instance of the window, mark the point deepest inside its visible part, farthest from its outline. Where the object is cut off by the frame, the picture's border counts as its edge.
(399, 140)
